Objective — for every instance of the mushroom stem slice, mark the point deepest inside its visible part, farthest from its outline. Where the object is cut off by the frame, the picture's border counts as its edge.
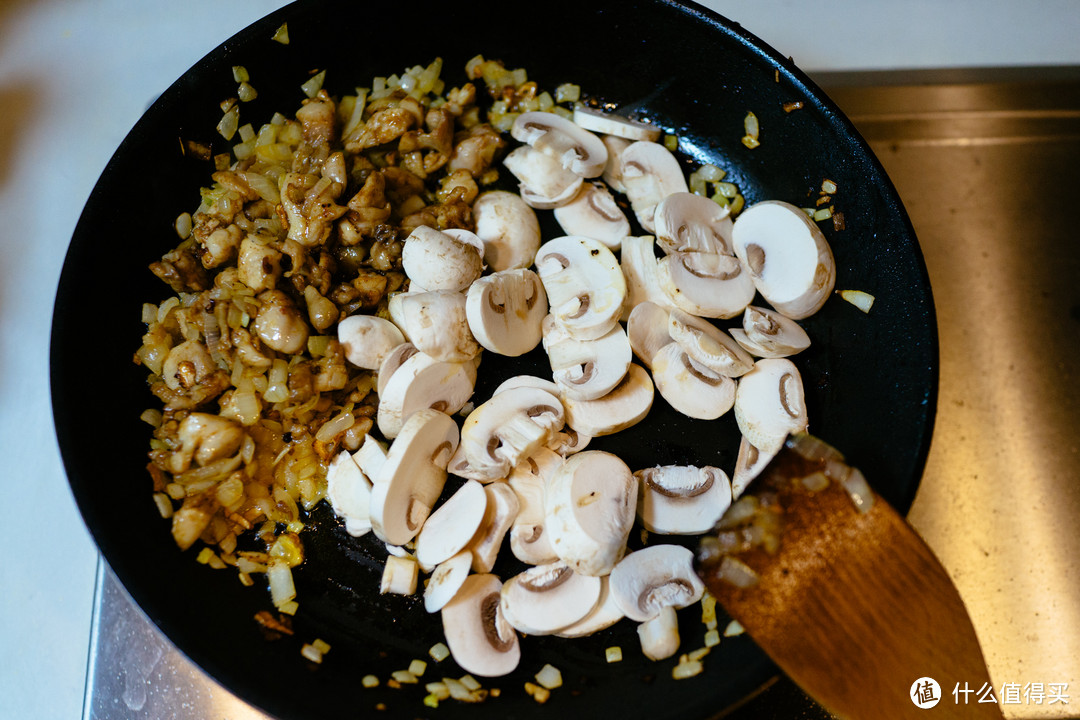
(480, 639)
(650, 173)
(590, 507)
(508, 228)
(658, 576)
(412, 477)
(682, 500)
(708, 345)
(584, 285)
(547, 598)
(770, 404)
(399, 576)
(690, 388)
(787, 255)
(660, 635)
(625, 405)
(505, 310)
(686, 222)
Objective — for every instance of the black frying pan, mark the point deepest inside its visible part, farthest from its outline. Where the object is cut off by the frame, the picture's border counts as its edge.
(870, 379)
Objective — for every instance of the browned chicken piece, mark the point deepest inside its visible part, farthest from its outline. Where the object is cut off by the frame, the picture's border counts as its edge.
(181, 270)
(476, 150)
(317, 119)
(259, 263)
(220, 246)
(205, 438)
(280, 324)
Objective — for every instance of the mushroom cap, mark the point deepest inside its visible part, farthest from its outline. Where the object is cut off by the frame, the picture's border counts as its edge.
(691, 389)
(367, 339)
(770, 404)
(654, 577)
(508, 228)
(446, 580)
(625, 405)
(705, 284)
(574, 147)
(604, 615)
(528, 541)
(642, 273)
(686, 222)
(768, 334)
(590, 507)
(527, 381)
(650, 172)
(544, 599)
(611, 124)
(435, 322)
(681, 499)
(505, 310)
(510, 426)
(412, 477)
(594, 213)
(543, 182)
(452, 525)
(647, 331)
(423, 382)
(787, 255)
(480, 639)
(502, 509)
(349, 493)
(390, 364)
(613, 170)
(708, 345)
(584, 284)
(435, 260)
(586, 369)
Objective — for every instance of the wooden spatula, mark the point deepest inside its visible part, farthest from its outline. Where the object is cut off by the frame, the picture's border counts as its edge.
(843, 595)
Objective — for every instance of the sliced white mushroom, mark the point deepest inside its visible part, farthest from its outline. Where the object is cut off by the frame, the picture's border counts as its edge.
(435, 260)
(691, 389)
(508, 228)
(450, 528)
(569, 440)
(686, 222)
(435, 323)
(787, 255)
(708, 345)
(584, 284)
(505, 310)
(681, 499)
(768, 334)
(349, 493)
(705, 284)
(655, 577)
(613, 170)
(594, 213)
(480, 639)
(502, 509)
(625, 405)
(370, 457)
(543, 182)
(770, 404)
(423, 382)
(528, 541)
(642, 274)
(576, 149)
(748, 465)
(586, 369)
(399, 576)
(650, 173)
(604, 615)
(659, 635)
(611, 124)
(412, 477)
(390, 364)
(647, 330)
(590, 507)
(446, 580)
(367, 339)
(527, 381)
(509, 427)
(544, 599)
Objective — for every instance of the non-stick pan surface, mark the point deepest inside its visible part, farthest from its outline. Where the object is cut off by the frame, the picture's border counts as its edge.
(870, 378)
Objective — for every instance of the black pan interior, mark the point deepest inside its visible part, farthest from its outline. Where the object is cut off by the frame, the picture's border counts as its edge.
(870, 378)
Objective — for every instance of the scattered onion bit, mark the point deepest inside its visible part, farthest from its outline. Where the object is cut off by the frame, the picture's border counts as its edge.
(828, 187)
(792, 106)
(823, 214)
(733, 629)
(753, 129)
(539, 694)
(268, 621)
(369, 681)
(858, 298)
(671, 142)
(418, 668)
(549, 677)
(312, 87)
(686, 668)
(712, 638)
(439, 652)
(613, 654)
(281, 35)
(311, 653)
(404, 677)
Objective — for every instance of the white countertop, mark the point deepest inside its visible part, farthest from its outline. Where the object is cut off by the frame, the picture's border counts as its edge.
(74, 78)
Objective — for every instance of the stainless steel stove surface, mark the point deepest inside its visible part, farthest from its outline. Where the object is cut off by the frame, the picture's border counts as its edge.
(986, 163)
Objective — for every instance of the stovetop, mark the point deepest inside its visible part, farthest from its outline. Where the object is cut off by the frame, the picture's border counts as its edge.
(985, 162)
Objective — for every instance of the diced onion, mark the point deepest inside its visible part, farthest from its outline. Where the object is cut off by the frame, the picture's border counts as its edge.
(281, 35)
(858, 298)
(549, 677)
(439, 652)
(312, 87)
